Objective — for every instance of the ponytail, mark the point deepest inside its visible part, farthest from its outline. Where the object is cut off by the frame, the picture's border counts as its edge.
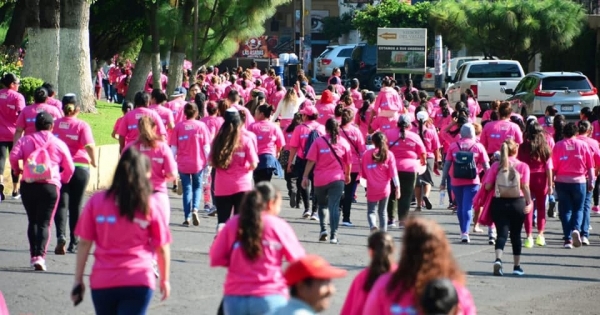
(421, 130)
(147, 134)
(504, 157)
(333, 128)
(362, 112)
(380, 142)
(250, 228)
(382, 246)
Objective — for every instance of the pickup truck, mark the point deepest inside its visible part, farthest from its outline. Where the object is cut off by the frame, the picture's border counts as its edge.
(428, 82)
(487, 78)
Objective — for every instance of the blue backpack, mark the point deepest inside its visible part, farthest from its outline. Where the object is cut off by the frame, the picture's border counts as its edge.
(464, 164)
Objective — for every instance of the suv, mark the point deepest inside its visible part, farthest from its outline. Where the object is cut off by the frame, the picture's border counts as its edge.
(363, 66)
(568, 92)
(332, 57)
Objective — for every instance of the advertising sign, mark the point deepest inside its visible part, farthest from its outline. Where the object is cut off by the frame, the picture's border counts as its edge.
(261, 47)
(402, 50)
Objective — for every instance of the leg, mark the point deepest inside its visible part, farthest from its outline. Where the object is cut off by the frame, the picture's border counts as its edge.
(596, 191)
(381, 209)
(458, 199)
(77, 187)
(105, 301)
(186, 186)
(392, 204)
(565, 207)
(585, 221)
(47, 200)
(197, 190)
(60, 218)
(259, 175)
(516, 216)
(134, 300)
(224, 205)
(371, 217)
(579, 195)
(407, 187)
(500, 218)
(303, 194)
(29, 204)
(237, 201)
(259, 305)
(348, 197)
(321, 193)
(336, 189)
(468, 195)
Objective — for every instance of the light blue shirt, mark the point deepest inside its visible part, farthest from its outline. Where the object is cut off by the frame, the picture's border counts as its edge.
(295, 307)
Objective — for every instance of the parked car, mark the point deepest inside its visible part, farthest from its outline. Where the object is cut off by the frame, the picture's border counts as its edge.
(332, 57)
(568, 92)
(428, 82)
(485, 78)
(362, 65)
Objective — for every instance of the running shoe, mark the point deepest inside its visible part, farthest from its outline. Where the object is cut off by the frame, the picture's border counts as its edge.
(195, 218)
(323, 236)
(314, 217)
(568, 245)
(540, 240)
(39, 264)
(212, 211)
(465, 238)
(596, 209)
(427, 202)
(576, 237)
(518, 271)
(333, 240)
(391, 223)
(585, 241)
(492, 240)
(306, 214)
(186, 223)
(16, 195)
(72, 248)
(528, 243)
(60, 248)
(347, 223)
(374, 229)
(498, 268)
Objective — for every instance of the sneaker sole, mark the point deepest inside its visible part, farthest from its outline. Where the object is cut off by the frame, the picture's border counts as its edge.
(498, 270)
(39, 267)
(323, 238)
(428, 204)
(61, 248)
(195, 219)
(576, 237)
(518, 273)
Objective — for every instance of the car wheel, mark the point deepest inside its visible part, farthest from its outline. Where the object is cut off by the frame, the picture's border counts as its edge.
(376, 82)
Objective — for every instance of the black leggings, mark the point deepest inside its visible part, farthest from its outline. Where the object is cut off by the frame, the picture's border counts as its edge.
(224, 205)
(349, 190)
(40, 201)
(596, 192)
(263, 175)
(71, 195)
(508, 215)
(306, 194)
(5, 148)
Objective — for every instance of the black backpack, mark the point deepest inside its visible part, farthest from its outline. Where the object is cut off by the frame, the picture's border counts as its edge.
(300, 163)
(312, 136)
(464, 164)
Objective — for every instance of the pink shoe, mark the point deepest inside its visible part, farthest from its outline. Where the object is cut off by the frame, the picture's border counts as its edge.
(596, 209)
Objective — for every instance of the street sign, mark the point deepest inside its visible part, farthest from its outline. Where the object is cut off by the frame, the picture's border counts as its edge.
(402, 50)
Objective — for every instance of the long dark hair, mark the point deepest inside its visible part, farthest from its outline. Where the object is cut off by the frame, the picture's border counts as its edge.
(200, 100)
(558, 124)
(297, 120)
(333, 129)
(445, 108)
(380, 142)
(147, 135)
(368, 100)
(130, 187)
(420, 122)
(535, 144)
(382, 245)
(250, 230)
(226, 141)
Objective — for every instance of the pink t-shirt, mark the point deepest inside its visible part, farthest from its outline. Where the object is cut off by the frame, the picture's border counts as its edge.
(384, 124)
(165, 113)
(535, 165)
(479, 155)
(327, 168)
(594, 148)
(117, 125)
(363, 125)
(357, 145)
(496, 132)
(54, 102)
(77, 135)
(176, 107)
(407, 151)
(264, 275)
(249, 118)
(276, 97)
(572, 159)
(430, 139)
(439, 120)
(269, 137)
(380, 302)
(59, 155)
(213, 123)
(11, 104)
(519, 166)
(238, 176)
(326, 111)
(124, 249)
(487, 115)
(162, 163)
(3, 307)
(378, 175)
(356, 297)
(388, 100)
(474, 108)
(129, 127)
(288, 139)
(301, 134)
(255, 73)
(26, 120)
(191, 137)
(595, 131)
(356, 97)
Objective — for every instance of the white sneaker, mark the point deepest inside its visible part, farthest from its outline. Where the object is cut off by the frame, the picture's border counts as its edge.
(465, 238)
(306, 214)
(347, 223)
(39, 264)
(314, 217)
(333, 240)
(585, 241)
(195, 218)
(576, 237)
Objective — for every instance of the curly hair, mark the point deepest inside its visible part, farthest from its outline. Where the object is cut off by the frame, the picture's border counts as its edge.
(425, 256)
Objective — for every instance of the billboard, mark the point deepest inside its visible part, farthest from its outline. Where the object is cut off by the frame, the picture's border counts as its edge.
(402, 50)
(261, 47)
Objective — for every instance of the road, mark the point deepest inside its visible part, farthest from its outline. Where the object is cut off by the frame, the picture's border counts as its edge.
(557, 280)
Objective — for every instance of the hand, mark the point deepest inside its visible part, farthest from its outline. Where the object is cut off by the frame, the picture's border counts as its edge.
(442, 187)
(304, 183)
(590, 187)
(528, 207)
(436, 171)
(550, 190)
(93, 163)
(165, 290)
(397, 192)
(75, 298)
(289, 168)
(348, 179)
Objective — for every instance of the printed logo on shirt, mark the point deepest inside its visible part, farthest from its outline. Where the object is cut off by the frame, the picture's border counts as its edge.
(241, 154)
(138, 116)
(495, 136)
(39, 110)
(503, 128)
(189, 127)
(30, 120)
(158, 160)
(111, 219)
(11, 106)
(64, 125)
(372, 166)
(397, 309)
(182, 138)
(73, 137)
(384, 104)
(142, 223)
(3, 96)
(131, 127)
(570, 147)
(386, 127)
(324, 150)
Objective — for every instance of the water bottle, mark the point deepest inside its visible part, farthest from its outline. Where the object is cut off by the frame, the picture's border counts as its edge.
(442, 197)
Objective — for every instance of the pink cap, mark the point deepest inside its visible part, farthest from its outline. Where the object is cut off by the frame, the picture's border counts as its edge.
(309, 109)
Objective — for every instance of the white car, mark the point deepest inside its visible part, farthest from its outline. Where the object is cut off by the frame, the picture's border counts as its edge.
(428, 82)
(332, 57)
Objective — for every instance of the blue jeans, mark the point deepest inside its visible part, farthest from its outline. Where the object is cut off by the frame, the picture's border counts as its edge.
(329, 196)
(570, 208)
(463, 197)
(587, 207)
(192, 192)
(252, 305)
(122, 300)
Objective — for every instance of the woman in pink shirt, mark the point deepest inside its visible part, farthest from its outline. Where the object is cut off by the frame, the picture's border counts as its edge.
(41, 189)
(233, 99)
(158, 99)
(472, 104)
(234, 157)
(426, 131)
(126, 107)
(252, 246)
(364, 114)
(378, 167)
(77, 135)
(284, 159)
(410, 153)
(190, 143)
(574, 176)
(11, 104)
(277, 92)
(326, 107)
(128, 130)
(496, 132)
(26, 120)
(487, 115)
(388, 103)
(355, 92)
(164, 168)
(511, 202)
(381, 249)
(585, 130)
(331, 158)
(536, 153)
(357, 145)
(401, 291)
(270, 140)
(213, 121)
(127, 226)
(464, 159)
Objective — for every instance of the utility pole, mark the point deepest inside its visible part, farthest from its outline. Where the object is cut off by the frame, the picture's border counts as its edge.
(302, 24)
(195, 41)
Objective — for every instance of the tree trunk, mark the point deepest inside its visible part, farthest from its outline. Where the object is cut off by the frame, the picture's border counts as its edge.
(16, 30)
(142, 68)
(156, 68)
(74, 73)
(41, 59)
(175, 70)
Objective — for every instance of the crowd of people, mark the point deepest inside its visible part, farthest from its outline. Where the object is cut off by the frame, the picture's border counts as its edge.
(220, 142)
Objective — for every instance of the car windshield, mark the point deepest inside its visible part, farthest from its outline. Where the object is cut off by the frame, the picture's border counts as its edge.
(566, 83)
(323, 54)
(494, 70)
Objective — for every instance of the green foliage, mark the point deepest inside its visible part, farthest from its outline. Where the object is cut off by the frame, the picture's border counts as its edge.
(509, 28)
(393, 13)
(103, 121)
(8, 63)
(336, 26)
(28, 86)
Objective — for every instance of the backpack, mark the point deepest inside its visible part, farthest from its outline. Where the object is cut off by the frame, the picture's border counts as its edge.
(38, 166)
(312, 136)
(300, 163)
(508, 183)
(464, 164)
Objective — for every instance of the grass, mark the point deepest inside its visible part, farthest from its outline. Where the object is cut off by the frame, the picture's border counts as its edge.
(103, 121)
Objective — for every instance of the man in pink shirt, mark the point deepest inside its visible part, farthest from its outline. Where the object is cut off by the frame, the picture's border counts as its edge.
(26, 120)
(496, 132)
(128, 131)
(177, 102)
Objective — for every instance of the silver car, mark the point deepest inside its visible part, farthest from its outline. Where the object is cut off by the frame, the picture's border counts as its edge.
(568, 92)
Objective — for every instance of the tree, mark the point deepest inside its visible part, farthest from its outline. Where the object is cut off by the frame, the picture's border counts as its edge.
(75, 74)
(514, 29)
(335, 27)
(16, 29)
(41, 59)
(179, 19)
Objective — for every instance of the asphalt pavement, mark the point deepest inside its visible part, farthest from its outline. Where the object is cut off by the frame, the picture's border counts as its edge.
(556, 281)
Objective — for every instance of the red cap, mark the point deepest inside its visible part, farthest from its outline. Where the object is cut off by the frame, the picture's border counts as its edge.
(311, 266)
(326, 97)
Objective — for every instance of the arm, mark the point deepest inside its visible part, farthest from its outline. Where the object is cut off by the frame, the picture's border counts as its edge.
(308, 168)
(66, 163)
(447, 165)
(550, 181)
(277, 112)
(291, 159)
(18, 135)
(121, 143)
(83, 251)
(91, 153)
(164, 266)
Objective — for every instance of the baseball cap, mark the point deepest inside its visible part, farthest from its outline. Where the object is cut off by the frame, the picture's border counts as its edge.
(309, 109)
(179, 91)
(42, 120)
(326, 97)
(311, 266)
(404, 118)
